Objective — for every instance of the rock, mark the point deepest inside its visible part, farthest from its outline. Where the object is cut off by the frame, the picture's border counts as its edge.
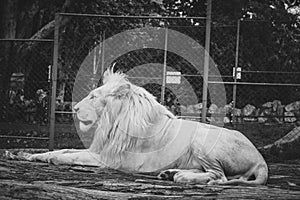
(261, 118)
(271, 112)
(268, 105)
(274, 104)
(217, 114)
(290, 119)
(237, 113)
(197, 108)
(212, 108)
(228, 108)
(249, 110)
(190, 109)
(226, 120)
(183, 109)
(295, 106)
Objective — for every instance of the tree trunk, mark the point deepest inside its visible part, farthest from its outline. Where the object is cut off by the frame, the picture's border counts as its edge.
(28, 14)
(45, 32)
(11, 28)
(9, 18)
(8, 30)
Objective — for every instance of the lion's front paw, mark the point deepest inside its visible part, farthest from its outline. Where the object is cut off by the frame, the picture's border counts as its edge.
(10, 156)
(168, 174)
(43, 157)
(26, 156)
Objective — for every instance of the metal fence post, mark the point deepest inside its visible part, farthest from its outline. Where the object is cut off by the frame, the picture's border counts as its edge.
(54, 83)
(235, 68)
(102, 52)
(163, 88)
(206, 61)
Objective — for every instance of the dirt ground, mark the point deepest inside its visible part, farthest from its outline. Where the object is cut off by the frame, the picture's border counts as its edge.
(33, 180)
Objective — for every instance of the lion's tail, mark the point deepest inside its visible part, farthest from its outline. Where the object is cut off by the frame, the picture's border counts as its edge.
(261, 177)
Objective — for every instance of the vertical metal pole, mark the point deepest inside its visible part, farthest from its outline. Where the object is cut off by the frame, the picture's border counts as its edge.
(236, 64)
(95, 66)
(206, 61)
(163, 87)
(102, 53)
(54, 83)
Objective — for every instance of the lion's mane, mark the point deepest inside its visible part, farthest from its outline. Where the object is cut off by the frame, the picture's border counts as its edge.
(125, 120)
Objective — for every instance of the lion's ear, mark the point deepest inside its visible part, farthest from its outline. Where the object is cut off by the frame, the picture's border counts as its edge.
(106, 74)
(122, 90)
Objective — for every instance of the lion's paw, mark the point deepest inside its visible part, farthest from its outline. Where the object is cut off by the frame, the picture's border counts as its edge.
(10, 156)
(26, 156)
(168, 174)
(43, 157)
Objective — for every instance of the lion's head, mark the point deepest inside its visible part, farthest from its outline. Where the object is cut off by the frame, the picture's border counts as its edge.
(90, 109)
(120, 109)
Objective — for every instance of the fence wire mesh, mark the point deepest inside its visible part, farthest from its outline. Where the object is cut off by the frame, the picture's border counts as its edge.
(25, 88)
(141, 54)
(263, 54)
(263, 57)
(89, 44)
(269, 84)
(26, 81)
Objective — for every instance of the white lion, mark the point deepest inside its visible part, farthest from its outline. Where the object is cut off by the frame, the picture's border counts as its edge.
(133, 132)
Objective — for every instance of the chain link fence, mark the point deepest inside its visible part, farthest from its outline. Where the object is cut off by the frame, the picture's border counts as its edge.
(260, 79)
(151, 57)
(25, 88)
(268, 87)
(222, 50)
(146, 56)
(258, 62)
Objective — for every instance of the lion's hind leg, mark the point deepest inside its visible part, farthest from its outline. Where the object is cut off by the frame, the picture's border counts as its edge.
(191, 176)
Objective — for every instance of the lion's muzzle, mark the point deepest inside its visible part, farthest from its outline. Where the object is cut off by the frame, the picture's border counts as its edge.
(85, 114)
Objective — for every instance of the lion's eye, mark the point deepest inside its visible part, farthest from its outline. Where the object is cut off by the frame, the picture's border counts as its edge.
(93, 96)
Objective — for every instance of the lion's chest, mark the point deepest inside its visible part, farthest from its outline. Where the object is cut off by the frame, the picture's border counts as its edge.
(170, 149)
